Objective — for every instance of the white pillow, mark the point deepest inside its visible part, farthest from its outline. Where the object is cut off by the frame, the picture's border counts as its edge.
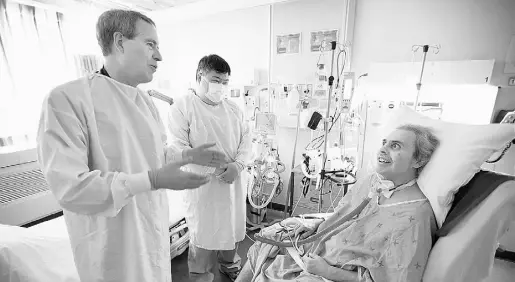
(463, 149)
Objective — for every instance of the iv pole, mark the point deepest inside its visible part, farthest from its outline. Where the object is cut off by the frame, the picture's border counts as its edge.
(291, 182)
(425, 49)
(322, 175)
(320, 178)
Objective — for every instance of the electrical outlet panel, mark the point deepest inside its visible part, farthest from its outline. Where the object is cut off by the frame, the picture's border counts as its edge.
(511, 81)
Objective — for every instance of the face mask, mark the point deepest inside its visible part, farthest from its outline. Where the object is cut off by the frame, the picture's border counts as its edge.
(215, 91)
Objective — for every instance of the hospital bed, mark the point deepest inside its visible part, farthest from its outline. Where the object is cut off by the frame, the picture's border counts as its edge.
(465, 246)
(466, 253)
(42, 253)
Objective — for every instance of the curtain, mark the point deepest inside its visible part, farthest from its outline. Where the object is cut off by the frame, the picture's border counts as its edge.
(33, 60)
(87, 64)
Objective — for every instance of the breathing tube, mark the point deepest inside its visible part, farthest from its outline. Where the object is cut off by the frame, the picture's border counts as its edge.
(320, 234)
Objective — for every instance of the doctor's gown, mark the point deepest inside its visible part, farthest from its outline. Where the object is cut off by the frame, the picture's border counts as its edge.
(97, 140)
(216, 212)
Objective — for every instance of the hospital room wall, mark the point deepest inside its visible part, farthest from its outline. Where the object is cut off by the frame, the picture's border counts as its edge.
(466, 30)
(241, 37)
(303, 17)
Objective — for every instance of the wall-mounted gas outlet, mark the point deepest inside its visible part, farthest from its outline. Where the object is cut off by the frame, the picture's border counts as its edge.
(511, 81)
(250, 101)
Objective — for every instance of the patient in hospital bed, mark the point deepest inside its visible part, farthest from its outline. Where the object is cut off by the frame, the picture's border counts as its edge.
(389, 240)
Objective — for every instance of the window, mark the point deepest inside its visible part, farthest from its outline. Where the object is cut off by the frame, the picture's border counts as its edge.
(87, 64)
(33, 60)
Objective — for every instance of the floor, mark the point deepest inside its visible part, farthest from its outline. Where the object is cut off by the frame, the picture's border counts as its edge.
(180, 264)
(503, 271)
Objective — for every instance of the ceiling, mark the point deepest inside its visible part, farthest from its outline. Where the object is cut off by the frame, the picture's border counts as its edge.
(145, 5)
(163, 10)
(140, 5)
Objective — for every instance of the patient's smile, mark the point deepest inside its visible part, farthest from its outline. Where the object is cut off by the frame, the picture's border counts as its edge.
(383, 160)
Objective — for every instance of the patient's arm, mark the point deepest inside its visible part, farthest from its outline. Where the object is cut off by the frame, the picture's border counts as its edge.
(340, 275)
(318, 266)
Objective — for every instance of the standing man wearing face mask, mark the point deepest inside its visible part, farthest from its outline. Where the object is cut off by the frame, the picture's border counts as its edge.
(216, 212)
(101, 145)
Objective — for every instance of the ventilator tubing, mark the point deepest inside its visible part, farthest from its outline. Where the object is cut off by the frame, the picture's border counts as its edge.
(319, 235)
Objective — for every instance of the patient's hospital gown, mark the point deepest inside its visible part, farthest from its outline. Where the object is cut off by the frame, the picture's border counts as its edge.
(216, 211)
(385, 243)
(97, 140)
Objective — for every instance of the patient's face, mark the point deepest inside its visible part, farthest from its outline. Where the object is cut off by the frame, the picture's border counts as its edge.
(395, 158)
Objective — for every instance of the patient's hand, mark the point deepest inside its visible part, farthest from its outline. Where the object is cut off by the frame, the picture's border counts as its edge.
(305, 228)
(316, 265)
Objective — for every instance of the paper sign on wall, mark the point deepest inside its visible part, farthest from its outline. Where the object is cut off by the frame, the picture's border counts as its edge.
(288, 44)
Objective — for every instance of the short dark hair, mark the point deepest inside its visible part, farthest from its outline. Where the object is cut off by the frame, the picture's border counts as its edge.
(117, 20)
(212, 63)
